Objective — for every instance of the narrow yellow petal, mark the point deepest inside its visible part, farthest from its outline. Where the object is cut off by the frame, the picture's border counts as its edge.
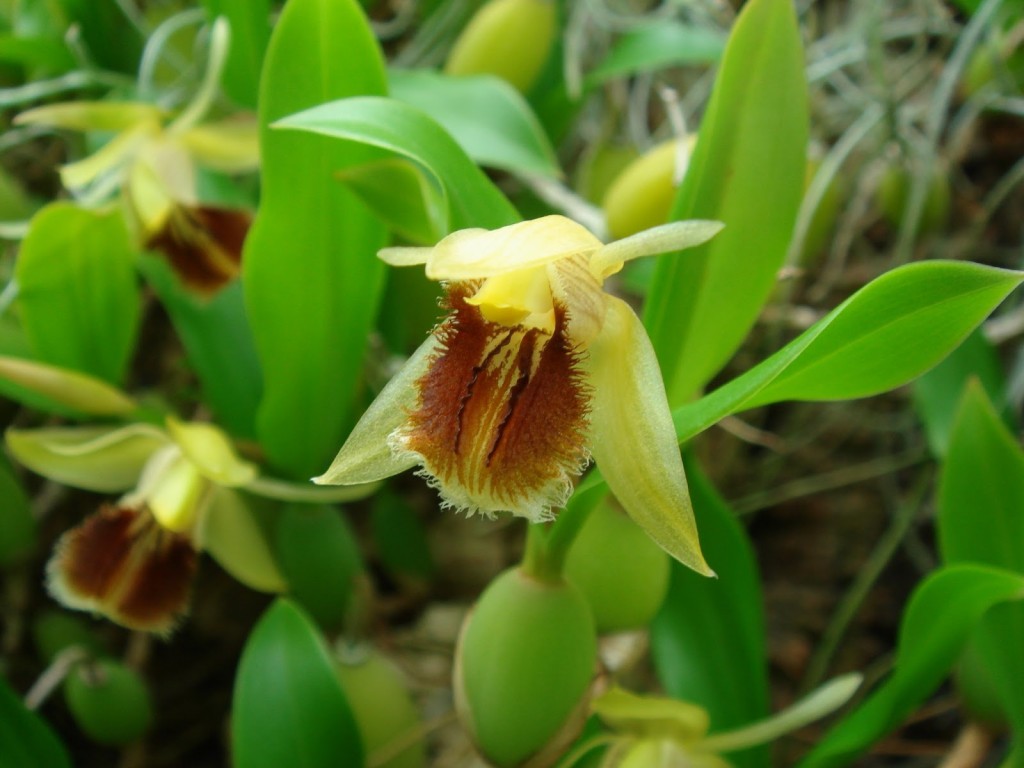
(209, 449)
(668, 237)
(108, 158)
(633, 441)
(92, 115)
(231, 146)
(477, 253)
(651, 716)
(366, 456)
(230, 533)
(101, 459)
(404, 257)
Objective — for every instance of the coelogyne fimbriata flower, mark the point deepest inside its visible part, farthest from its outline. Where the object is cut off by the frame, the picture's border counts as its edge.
(535, 370)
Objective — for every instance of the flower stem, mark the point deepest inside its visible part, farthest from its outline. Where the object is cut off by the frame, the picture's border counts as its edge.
(548, 548)
(536, 561)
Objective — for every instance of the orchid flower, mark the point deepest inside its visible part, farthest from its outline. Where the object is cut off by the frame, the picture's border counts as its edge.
(134, 560)
(151, 162)
(658, 732)
(535, 370)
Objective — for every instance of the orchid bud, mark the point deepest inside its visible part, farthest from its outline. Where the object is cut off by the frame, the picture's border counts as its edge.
(823, 220)
(109, 701)
(493, 42)
(524, 663)
(894, 191)
(622, 573)
(642, 195)
(55, 631)
(383, 709)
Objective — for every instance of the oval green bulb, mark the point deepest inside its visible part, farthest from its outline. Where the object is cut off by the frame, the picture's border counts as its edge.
(524, 664)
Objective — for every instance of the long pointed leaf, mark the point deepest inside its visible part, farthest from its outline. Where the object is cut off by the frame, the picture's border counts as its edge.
(708, 640)
(288, 706)
(747, 171)
(981, 520)
(942, 612)
(312, 280)
(464, 193)
(889, 332)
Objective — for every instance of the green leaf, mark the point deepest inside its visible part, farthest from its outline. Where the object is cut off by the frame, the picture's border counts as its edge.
(981, 498)
(942, 612)
(25, 738)
(747, 171)
(718, 660)
(889, 332)
(218, 341)
(399, 193)
(250, 31)
(489, 118)
(937, 393)
(401, 537)
(77, 290)
(17, 526)
(312, 281)
(320, 560)
(654, 46)
(288, 706)
(463, 190)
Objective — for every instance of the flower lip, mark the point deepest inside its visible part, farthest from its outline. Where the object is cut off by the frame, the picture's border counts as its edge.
(121, 563)
(502, 414)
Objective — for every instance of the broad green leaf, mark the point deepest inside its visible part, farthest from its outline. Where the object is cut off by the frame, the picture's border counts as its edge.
(400, 194)
(747, 171)
(250, 30)
(889, 332)
(718, 659)
(218, 342)
(936, 624)
(489, 118)
(658, 45)
(981, 520)
(937, 393)
(464, 191)
(25, 738)
(288, 706)
(77, 290)
(320, 559)
(68, 392)
(312, 282)
(17, 526)
(401, 537)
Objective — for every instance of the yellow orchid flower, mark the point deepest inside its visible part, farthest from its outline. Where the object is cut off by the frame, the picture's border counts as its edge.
(151, 162)
(658, 732)
(535, 371)
(133, 561)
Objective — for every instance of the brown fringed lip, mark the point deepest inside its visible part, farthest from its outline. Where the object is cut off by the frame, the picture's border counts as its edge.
(203, 244)
(501, 418)
(120, 563)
